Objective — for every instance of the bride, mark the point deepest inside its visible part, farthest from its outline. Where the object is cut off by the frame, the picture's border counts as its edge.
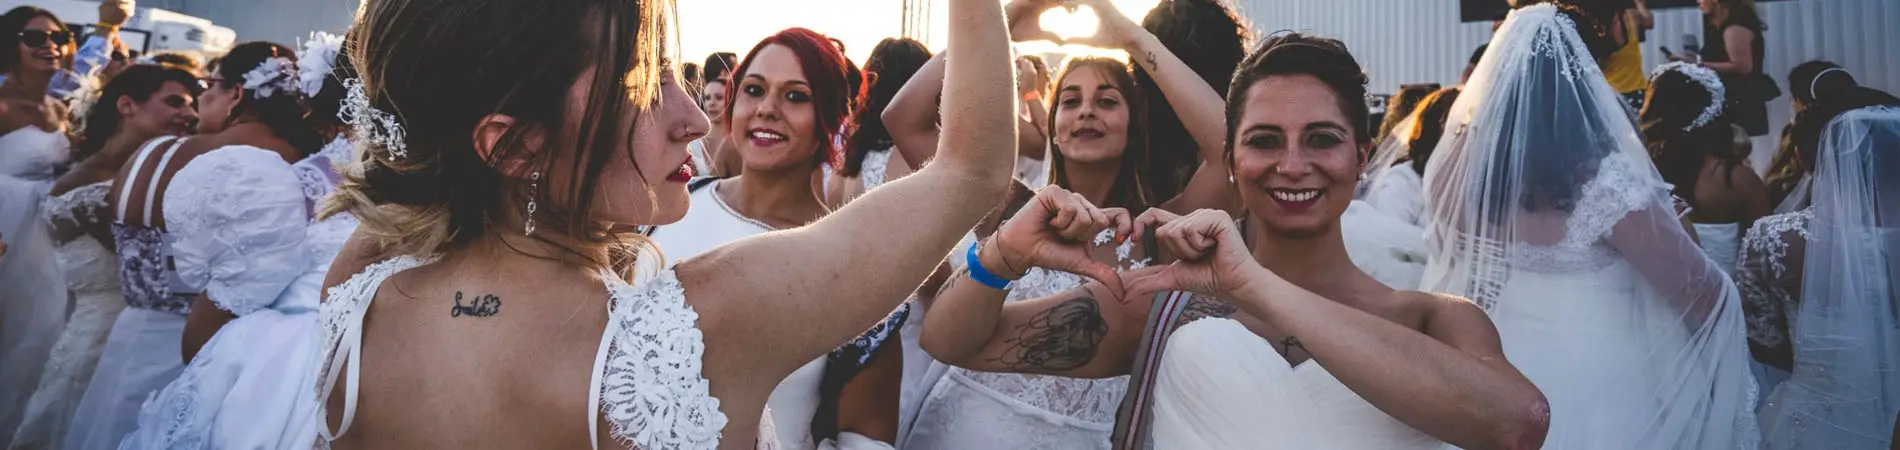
(508, 308)
(1834, 267)
(1372, 367)
(1546, 211)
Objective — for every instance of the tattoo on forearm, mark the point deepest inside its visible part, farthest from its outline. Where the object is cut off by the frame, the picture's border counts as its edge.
(1204, 307)
(483, 306)
(1152, 64)
(1063, 337)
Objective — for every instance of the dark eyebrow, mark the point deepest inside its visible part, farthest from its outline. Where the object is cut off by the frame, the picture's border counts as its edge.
(1262, 127)
(762, 80)
(1325, 126)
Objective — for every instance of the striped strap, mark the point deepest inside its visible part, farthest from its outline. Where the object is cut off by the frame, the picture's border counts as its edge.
(1133, 420)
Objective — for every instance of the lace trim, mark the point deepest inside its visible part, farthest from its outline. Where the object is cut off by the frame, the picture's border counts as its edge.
(336, 314)
(1772, 303)
(88, 200)
(1617, 190)
(654, 392)
(875, 163)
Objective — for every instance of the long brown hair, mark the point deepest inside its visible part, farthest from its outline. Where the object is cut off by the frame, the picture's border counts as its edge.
(475, 59)
(1128, 190)
(1737, 12)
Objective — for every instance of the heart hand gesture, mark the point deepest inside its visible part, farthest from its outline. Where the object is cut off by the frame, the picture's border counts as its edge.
(1055, 231)
(1213, 259)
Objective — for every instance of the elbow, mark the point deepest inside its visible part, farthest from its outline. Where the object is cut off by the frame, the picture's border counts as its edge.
(1527, 425)
(940, 350)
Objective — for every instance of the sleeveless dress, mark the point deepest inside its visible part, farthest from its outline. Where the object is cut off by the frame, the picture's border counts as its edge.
(1722, 242)
(803, 407)
(142, 351)
(1220, 386)
(34, 300)
(647, 377)
(91, 274)
(241, 233)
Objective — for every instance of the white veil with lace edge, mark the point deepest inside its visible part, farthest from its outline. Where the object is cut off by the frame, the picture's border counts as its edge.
(1541, 167)
(1846, 387)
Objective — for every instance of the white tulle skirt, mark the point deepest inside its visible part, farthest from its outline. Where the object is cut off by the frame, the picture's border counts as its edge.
(33, 297)
(69, 368)
(140, 356)
(253, 386)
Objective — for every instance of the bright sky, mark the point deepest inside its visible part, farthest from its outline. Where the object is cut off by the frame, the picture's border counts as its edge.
(708, 26)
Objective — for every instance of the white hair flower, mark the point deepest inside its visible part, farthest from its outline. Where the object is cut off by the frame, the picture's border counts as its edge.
(277, 75)
(314, 63)
(370, 125)
(1705, 77)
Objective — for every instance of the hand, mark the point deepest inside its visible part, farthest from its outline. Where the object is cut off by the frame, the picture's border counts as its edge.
(114, 13)
(1026, 77)
(1025, 20)
(1213, 259)
(1055, 231)
(1114, 29)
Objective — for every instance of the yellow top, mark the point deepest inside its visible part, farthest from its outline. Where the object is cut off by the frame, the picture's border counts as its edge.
(1624, 69)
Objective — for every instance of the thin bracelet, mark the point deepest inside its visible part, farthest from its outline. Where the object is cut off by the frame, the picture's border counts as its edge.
(982, 275)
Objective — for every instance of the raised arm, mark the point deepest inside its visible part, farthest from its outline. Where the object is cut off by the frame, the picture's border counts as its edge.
(911, 117)
(786, 297)
(1196, 103)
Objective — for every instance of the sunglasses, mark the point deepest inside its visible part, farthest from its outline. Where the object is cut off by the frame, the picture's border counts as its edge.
(209, 82)
(39, 38)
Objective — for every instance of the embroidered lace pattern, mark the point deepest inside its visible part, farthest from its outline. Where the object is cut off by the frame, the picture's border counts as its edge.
(1617, 190)
(875, 162)
(1083, 399)
(654, 392)
(142, 269)
(1768, 292)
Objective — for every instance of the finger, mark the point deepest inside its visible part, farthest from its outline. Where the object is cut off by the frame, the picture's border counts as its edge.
(1174, 238)
(1118, 220)
(1101, 273)
(1148, 284)
(1062, 216)
(1099, 221)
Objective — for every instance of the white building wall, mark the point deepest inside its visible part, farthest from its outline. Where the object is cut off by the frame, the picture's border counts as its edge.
(282, 21)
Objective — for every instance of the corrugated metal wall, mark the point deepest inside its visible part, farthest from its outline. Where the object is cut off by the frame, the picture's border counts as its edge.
(1412, 41)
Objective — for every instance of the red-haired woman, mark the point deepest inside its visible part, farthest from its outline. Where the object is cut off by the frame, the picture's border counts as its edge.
(788, 101)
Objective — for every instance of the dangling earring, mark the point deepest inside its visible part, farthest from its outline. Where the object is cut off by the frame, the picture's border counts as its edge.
(534, 191)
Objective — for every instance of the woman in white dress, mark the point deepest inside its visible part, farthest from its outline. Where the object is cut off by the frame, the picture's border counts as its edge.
(33, 146)
(250, 385)
(1395, 187)
(1546, 211)
(167, 321)
(1833, 269)
(1693, 148)
(1428, 368)
(143, 102)
(515, 172)
(868, 152)
(787, 121)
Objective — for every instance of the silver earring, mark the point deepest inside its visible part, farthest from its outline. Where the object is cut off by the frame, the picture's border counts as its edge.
(534, 191)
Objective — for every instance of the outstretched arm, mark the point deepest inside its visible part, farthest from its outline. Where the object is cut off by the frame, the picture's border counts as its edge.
(833, 279)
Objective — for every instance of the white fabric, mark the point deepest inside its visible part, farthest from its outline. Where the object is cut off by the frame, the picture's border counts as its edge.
(793, 404)
(141, 356)
(1389, 250)
(651, 345)
(91, 274)
(1769, 289)
(876, 163)
(34, 301)
(1722, 242)
(319, 175)
(702, 159)
(1034, 173)
(1545, 210)
(967, 409)
(1399, 192)
(1386, 154)
(708, 224)
(1222, 387)
(237, 221)
(1845, 388)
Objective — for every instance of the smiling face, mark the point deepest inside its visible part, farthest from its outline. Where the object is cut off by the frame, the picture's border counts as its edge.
(774, 121)
(1092, 116)
(168, 112)
(1295, 159)
(49, 54)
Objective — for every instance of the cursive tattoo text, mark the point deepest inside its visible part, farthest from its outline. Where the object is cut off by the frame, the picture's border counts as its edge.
(483, 306)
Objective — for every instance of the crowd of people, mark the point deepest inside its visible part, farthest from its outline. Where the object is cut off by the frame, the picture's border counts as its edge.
(1213, 243)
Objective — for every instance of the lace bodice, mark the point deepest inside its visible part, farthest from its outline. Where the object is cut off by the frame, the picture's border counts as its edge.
(144, 269)
(237, 222)
(1093, 400)
(1770, 291)
(88, 265)
(875, 163)
(1618, 189)
(648, 380)
(32, 153)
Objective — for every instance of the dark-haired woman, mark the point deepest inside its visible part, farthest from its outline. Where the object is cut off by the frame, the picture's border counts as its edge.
(506, 283)
(790, 99)
(89, 60)
(1546, 211)
(144, 102)
(1396, 189)
(1807, 84)
(183, 264)
(1694, 150)
(1732, 46)
(1210, 37)
(1098, 143)
(1283, 339)
(867, 152)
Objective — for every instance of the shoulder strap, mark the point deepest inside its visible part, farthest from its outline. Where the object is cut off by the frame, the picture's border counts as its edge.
(158, 173)
(351, 300)
(1133, 418)
(596, 380)
(138, 164)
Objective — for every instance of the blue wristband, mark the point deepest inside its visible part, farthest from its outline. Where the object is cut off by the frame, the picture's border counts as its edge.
(982, 275)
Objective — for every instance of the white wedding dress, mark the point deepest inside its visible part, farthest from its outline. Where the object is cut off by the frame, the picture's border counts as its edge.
(91, 272)
(1387, 248)
(1222, 387)
(1722, 242)
(241, 233)
(33, 300)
